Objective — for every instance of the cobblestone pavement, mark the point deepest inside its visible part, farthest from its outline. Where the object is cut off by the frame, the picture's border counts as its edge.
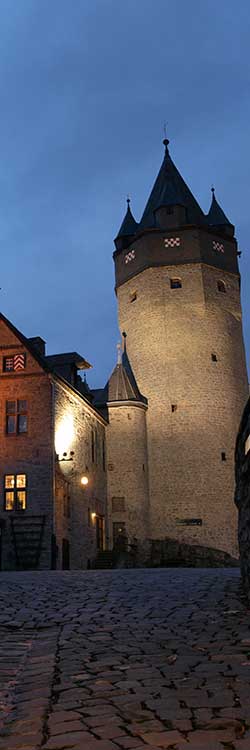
(124, 660)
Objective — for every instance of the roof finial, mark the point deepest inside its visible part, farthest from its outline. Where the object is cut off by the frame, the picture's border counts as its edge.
(212, 190)
(119, 353)
(124, 341)
(165, 140)
(128, 201)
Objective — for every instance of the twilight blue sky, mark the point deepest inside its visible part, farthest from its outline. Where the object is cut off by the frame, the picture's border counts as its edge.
(85, 87)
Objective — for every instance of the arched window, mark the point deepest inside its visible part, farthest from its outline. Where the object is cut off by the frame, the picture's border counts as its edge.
(221, 286)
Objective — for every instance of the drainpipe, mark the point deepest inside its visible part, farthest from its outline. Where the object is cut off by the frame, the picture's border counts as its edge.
(53, 479)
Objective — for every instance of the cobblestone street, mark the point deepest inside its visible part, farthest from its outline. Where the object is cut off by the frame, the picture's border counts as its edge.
(119, 660)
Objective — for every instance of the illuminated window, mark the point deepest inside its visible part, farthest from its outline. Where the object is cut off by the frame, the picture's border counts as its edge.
(16, 417)
(14, 363)
(175, 284)
(214, 358)
(221, 286)
(133, 296)
(15, 492)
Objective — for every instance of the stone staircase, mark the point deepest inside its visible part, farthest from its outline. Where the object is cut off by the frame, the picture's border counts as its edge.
(27, 535)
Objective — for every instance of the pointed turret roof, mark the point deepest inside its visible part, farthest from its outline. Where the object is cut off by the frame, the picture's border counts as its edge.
(169, 190)
(216, 216)
(129, 226)
(121, 385)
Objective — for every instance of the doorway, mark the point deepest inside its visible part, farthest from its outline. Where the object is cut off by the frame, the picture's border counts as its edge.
(100, 533)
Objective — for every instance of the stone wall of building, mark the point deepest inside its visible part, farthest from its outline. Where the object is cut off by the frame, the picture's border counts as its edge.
(242, 495)
(127, 470)
(186, 349)
(80, 435)
(29, 453)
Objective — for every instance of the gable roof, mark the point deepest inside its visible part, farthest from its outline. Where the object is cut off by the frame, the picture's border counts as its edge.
(43, 362)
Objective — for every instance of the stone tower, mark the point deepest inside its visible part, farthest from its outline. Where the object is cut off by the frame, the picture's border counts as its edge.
(178, 291)
(127, 453)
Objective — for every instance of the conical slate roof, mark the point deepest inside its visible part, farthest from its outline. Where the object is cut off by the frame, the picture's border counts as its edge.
(129, 225)
(216, 216)
(171, 190)
(121, 386)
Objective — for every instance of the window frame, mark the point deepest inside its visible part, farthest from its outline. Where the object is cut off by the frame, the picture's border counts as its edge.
(15, 413)
(15, 490)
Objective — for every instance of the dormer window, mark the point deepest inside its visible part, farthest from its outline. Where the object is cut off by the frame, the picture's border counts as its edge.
(221, 286)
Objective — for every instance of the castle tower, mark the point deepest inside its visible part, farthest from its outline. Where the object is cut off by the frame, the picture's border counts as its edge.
(178, 291)
(126, 446)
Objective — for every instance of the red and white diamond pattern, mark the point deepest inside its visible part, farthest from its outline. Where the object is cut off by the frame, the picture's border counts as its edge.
(218, 246)
(172, 242)
(130, 256)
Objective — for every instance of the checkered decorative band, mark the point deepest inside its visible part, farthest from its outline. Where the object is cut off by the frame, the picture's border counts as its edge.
(130, 256)
(218, 247)
(172, 242)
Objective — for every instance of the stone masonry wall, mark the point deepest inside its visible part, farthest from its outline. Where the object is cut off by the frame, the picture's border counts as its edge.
(75, 423)
(29, 453)
(194, 401)
(127, 469)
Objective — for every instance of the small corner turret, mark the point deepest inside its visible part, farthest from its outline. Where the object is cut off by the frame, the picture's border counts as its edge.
(127, 230)
(217, 219)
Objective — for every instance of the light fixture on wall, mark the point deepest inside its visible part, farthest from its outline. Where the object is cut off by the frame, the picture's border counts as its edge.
(93, 516)
(65, 456)
(84, 480)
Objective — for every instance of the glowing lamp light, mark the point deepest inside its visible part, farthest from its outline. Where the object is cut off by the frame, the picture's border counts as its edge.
(93, 516)
(64, 435)
(84, 480)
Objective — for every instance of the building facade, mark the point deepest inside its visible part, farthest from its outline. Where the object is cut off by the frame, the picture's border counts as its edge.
(52, 459)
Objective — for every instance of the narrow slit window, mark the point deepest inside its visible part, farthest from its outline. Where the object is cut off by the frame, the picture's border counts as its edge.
(173, 408)
(221, 286)
(175, 284)
(223, 456)
(133, 296)
(214, 357)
